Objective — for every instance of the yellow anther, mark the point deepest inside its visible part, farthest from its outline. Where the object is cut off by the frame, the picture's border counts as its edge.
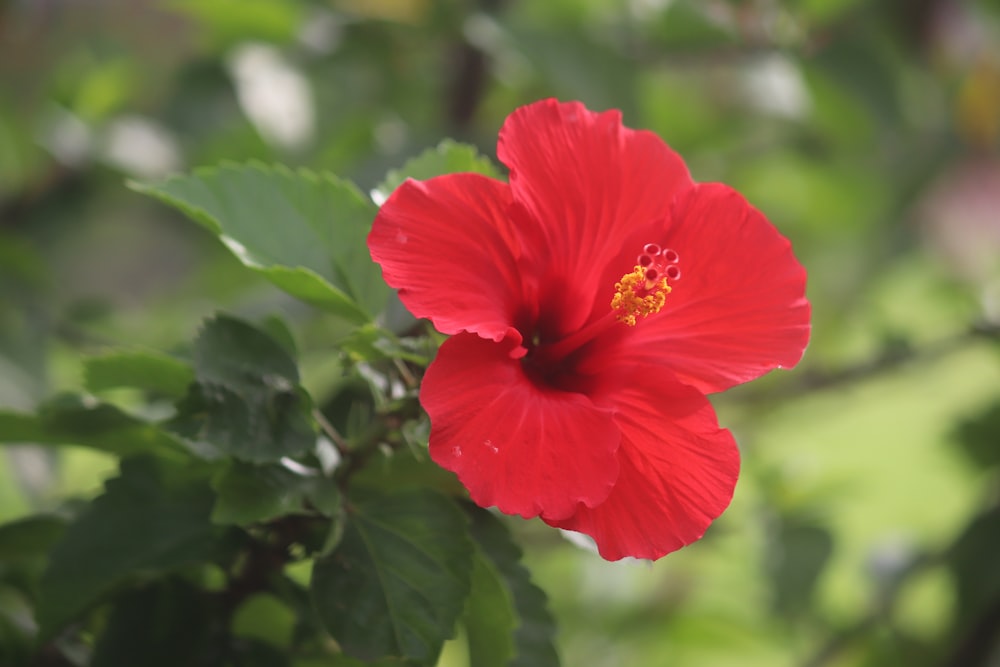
(635, 295)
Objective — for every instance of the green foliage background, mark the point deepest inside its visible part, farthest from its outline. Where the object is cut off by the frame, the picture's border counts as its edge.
(865, 530)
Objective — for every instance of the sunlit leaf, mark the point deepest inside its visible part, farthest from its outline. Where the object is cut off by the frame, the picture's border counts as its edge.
(304, 232)
(266, 618)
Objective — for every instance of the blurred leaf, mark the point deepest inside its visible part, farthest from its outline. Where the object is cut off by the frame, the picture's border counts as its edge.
(231, 21)
(256, 653)
(398, 581)
(266, 618)
(798, 553)
(534, 638)
(250, 494)
(141, 369)
(153, 517)
(979, 437)
(30, 538)
(581, 67)
(973, 561)
(832, 200)
(863, 65)
(247, 401)
(16, 631)
(302, 231)
(489, 617)
(74, 420)
(448, 157)
(687, 24)
(166, 624)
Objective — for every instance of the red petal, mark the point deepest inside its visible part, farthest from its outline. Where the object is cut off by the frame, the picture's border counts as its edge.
(739, 308)
(583, 182)
(525, 448)
(446, 244)
(678, 471)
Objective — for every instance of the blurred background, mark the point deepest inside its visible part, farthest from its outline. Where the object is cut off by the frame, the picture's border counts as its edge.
(866, 527)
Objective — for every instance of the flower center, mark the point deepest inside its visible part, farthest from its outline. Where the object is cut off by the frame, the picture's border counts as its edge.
(644, 290)
(640, 293)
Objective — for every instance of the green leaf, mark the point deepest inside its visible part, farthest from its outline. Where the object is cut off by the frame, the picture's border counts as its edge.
(972, 561)
(369, 343)
(489, 617)
(30, 538)
(977, 437)
(166, 624)
(233, 22)
(304, 232)
(398, 581)
(140, 369)
(448, 157)
(232, 353)
(534, 639)
(690, 25)
(153, 517)
(250, 494)
(797, 556)
(74, 420)
(266, 618)
(247, 402)
(406, 469)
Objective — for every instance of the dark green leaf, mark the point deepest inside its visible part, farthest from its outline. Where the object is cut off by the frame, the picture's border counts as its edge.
(235, 354)
(166, 624)
(247, 401)
(140, 369)
(248, 493)
(302, 231)
(973, 559)
(798, 553)
(30, 538)
(534, 639)
(16, 635)
(979, 437)
(687, 24)
(153, 517)
(406, 469)
(398, 581)
(448, 157)
(76, 420)
(489, 617)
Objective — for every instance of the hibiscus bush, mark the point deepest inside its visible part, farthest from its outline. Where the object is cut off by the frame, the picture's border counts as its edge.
(421, 332)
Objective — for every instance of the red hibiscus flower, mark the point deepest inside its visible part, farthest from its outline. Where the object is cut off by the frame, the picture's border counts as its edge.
(592, 302)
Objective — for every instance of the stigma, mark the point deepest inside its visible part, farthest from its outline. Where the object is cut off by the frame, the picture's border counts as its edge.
(643, 291)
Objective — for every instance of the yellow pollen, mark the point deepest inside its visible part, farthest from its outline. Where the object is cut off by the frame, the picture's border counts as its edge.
(635, 296)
